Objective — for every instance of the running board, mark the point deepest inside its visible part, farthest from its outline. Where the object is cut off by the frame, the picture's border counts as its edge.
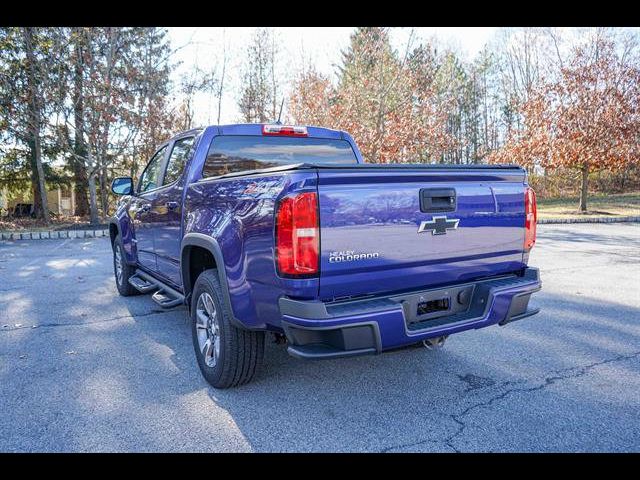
(142, 285)
(165, 296)
(166, 300)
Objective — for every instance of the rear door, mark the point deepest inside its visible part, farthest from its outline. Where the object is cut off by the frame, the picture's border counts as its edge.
(167, 211)
(392, 229)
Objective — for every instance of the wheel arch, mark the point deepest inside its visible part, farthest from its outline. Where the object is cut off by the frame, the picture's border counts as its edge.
(114, 229)
(194, 260)
(121, 225)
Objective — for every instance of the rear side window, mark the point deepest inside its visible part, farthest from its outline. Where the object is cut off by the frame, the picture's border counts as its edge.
(178, 158)
(236, 153)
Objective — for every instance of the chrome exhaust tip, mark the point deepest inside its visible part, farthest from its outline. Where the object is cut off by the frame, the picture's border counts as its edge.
(435, 342)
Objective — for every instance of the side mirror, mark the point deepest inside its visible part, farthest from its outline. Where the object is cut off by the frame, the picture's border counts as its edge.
(122, 186)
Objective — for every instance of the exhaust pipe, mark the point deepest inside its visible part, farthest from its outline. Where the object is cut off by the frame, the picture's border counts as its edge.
(434, 343)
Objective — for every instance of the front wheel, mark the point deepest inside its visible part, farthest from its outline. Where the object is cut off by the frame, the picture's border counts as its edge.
(122, 270)
(227, 355)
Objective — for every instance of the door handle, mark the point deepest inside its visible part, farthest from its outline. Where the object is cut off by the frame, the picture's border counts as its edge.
(145, 207)
(171, 205)
(437, 200)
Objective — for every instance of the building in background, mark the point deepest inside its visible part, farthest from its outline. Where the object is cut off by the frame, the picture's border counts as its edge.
(60, 199)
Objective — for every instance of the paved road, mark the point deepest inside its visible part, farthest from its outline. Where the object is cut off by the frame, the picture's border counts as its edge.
(82, 369)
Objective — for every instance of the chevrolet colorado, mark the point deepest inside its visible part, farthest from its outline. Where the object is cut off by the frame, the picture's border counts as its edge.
(285, 229)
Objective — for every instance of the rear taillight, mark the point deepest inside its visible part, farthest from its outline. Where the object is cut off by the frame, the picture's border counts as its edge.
(297, 235)
(287, 130)
(531, 217)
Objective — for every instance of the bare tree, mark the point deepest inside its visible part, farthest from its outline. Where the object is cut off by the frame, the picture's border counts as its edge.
(220, 90)
(78, 46)
(119, 91)
(35, 115)
(27, 80)
(258, 100)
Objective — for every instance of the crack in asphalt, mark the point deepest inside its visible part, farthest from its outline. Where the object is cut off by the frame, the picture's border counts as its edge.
(421, 442)
(556, 375)
(10, 289)
(572, 372)
(80, 324)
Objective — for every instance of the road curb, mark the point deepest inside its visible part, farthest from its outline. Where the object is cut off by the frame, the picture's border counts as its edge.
(588, 220)
(54, 234)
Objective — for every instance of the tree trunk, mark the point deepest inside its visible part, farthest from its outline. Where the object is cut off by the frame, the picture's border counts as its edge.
(104, 200)
(102, 165)
(34, 121)
(79, 169)
(93, 200)
(584, 188)
(35, 185)
(37, 198)
(80, 189)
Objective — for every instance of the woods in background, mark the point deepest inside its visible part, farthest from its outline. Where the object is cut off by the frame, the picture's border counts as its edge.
(531, 98)
(79, 106)
(96, 100)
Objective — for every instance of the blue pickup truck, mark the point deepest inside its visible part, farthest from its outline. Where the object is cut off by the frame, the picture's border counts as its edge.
(285, 229)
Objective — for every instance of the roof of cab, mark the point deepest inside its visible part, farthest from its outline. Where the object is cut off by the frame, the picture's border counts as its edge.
(256, 129)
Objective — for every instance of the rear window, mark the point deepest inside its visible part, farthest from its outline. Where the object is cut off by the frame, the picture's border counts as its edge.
(235, 153)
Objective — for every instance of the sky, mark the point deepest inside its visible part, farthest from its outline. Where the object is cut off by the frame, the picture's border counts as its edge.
(203, 47)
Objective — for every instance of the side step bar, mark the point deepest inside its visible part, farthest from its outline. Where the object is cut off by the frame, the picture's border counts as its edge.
(165, 296)
(166, 299)
(142, 285)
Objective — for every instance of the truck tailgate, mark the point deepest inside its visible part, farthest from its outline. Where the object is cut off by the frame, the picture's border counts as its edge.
(373, 239)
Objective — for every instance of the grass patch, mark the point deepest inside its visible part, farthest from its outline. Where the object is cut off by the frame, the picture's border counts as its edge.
(618, 205)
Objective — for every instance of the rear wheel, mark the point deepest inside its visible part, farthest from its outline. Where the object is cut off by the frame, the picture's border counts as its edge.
(227, 355)
(122, 270)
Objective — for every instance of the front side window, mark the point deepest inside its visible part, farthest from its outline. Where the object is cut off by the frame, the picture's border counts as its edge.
(177, 160)
(150, 178)
(236, 153)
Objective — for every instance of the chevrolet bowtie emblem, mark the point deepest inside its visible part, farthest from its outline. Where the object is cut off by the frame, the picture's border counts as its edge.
(438, 225)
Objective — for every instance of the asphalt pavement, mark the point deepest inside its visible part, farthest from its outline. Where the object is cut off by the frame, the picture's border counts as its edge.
(83, 369)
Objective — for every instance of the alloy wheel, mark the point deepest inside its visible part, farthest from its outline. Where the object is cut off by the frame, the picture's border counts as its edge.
(208, 329)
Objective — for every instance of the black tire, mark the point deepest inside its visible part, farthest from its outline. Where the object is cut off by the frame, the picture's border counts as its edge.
(240, 352)
(124, 287)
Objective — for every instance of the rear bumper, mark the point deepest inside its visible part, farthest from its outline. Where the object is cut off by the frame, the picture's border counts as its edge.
(318, 330)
